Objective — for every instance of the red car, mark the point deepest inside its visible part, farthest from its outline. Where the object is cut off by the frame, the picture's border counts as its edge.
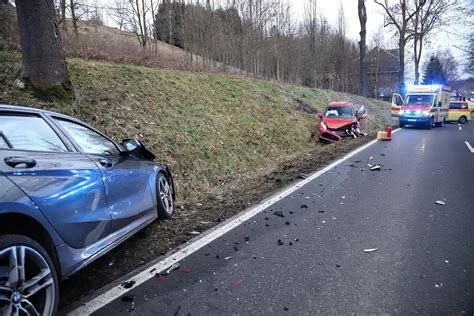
(340, 119)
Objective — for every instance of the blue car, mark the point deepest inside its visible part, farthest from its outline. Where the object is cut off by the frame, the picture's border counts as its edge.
(68, 195)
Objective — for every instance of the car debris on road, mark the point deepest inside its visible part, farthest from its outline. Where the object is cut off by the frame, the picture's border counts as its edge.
(440, 202)
(370, 250)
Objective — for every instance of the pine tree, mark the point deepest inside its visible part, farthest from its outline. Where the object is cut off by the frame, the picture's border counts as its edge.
(434, 73)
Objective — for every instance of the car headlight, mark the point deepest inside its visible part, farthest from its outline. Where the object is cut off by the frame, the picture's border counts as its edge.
(426, 113)
(417, 112)
(401, 112)
(323, 125)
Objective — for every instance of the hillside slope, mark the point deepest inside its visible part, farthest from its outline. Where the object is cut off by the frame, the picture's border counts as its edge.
(229, 142)
(209, 128)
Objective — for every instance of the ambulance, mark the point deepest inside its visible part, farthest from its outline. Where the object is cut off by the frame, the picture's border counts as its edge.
(425, 105)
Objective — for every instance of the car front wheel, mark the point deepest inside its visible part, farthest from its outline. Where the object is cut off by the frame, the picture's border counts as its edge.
(462, 120)
(165, 197)
(28, 279)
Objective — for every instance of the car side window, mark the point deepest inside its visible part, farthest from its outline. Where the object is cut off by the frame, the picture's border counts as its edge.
(90, 141)
(28, 132)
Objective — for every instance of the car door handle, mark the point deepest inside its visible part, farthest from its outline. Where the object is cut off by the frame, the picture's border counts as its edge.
(106, 163)
(19, 162)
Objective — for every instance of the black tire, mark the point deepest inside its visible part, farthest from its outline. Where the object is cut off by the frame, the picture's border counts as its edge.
(429, 125)
(46, 300)
(402, 125)
(164, 196)
(462, 120)
(440, 124)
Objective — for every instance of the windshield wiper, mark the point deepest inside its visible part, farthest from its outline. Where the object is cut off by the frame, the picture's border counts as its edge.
(2, 136)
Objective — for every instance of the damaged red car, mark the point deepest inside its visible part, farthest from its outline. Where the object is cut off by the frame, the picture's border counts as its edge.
(340, 119)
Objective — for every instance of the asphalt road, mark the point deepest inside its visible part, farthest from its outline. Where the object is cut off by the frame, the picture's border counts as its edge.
(424, 261)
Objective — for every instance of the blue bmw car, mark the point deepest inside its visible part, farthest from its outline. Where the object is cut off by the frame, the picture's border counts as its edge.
(68, 194)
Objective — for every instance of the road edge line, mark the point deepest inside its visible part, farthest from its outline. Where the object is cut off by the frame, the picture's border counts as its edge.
(205, 238)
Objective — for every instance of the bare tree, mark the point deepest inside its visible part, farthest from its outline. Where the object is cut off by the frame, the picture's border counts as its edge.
(43, 60)
(362, 47)
(399, 14)
(428, 18)
(449, 63)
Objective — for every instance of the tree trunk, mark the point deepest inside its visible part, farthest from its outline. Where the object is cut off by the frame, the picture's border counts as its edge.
(362, 47)
(73, 17)
(62, 4)
(42, 54)
(401, 70)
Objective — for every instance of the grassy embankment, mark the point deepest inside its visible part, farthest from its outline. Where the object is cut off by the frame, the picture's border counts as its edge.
(210, 128)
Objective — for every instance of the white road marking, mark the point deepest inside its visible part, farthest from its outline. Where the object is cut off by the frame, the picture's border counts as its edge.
(469, 147)
(142, 276)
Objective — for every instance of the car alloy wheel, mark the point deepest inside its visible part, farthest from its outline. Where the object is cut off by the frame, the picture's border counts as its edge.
(165, 192)
(26, 282)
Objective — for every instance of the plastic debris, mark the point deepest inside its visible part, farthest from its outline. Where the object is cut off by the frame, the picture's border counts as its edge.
(186, 270)
(195, 233)
(128, 284)
(111, 263)
(371, 158)
(375, 168)
(236, 248)
(370, 165)
(175, 266)
(279, 213)
(128, 298)
(304, 206)
(247, 239)
(302, 176)
(287, 223)
(237, 282)
(285, 309)
(228, 258)
(371, 250)
(280, 243)
(439, 202)
(320, 211)
(297, 239)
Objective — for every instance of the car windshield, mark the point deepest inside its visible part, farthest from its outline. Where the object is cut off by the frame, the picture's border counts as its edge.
(419, 99)
(339, 111)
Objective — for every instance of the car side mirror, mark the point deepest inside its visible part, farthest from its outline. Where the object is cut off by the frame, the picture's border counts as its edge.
(131, 145)
(361, 111)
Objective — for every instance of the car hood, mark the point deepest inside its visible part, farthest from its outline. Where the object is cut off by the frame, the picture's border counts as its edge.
(337, 123)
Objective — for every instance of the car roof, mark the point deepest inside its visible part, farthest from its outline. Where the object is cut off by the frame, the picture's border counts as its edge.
(20, 108)
(339, 103)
